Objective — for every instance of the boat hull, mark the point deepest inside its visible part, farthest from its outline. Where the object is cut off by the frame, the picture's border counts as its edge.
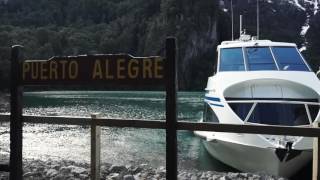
(259, 160)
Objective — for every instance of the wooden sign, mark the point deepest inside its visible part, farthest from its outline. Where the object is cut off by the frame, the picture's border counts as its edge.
(120, 69)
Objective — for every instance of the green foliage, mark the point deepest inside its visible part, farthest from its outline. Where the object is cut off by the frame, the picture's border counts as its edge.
(54, 28)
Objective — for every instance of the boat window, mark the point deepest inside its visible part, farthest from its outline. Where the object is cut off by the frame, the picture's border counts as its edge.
(314, 109)
(241, 109)
(231, 59)
(209, 115)
(289, 59)
(260, 58)
(279, 114)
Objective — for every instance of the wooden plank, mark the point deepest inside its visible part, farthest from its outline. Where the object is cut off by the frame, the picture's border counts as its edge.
(171, 109)
(62, 120)
(83, 121)
(150, 124)
(181, 125)
(95, 147)
(16, 121)
(316, 156)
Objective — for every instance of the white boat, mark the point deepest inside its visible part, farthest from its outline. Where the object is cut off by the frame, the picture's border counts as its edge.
(264, 83)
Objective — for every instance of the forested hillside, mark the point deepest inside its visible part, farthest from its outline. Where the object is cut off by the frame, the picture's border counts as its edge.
(68, 27)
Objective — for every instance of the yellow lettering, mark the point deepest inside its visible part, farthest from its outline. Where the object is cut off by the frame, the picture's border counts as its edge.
(73, 70)
(97, 71)
(25, 69)
(108, 70)
(34, 70)
(43, 71)
(133, 70)
(147, 71)
(63, 63)
(120, 68)
(53, 70)
(158, 68)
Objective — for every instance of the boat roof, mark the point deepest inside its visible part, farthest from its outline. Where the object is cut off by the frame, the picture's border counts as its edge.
(240, 43)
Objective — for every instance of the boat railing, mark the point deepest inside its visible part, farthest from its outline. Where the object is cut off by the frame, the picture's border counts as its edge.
(274, 101)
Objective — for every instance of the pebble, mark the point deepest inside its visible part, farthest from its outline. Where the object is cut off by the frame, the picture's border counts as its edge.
(128, 177)
(114, 176)
(78, 170)
(51, 173)
(28, 174)
(194, 177)
(117, 169)
(65, 170)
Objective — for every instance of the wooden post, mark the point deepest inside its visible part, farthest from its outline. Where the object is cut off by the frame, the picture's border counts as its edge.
(16, 121)
(316, 155)
(171, 108)
(95, 147)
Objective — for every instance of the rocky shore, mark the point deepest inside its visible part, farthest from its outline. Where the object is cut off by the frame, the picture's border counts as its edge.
(61, 170)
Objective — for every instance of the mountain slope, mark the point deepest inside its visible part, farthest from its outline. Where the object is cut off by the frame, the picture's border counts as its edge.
(46, 28)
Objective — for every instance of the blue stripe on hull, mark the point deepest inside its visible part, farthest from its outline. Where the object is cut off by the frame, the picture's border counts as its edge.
(212, 98)
(219, 105)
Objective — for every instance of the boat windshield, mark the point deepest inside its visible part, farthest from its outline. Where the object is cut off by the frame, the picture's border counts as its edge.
(280, 58)
(288, 59)
(231, 59)
(260, 58)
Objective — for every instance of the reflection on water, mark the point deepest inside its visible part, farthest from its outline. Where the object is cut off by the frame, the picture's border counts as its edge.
(119, 145)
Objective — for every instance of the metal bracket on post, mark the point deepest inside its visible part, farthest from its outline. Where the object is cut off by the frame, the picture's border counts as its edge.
(95, 147)
(16, 122)
(316, 155)
(171, 108)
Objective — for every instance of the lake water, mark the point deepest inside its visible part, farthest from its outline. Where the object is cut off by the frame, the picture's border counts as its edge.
(119, 145)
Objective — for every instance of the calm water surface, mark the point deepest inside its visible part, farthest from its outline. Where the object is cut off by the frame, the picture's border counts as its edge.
(119, 145)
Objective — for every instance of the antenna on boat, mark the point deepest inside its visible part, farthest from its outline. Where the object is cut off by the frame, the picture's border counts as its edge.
(258, 22)
(240, 26)
(232, 20)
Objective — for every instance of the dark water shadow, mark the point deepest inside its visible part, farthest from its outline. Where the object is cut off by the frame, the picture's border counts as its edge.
(305, 173)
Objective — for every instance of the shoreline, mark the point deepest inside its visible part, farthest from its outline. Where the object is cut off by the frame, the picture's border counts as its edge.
(59, 170)
(4, 101)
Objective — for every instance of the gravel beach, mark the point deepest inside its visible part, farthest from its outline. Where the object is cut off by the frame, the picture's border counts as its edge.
(61, 170)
